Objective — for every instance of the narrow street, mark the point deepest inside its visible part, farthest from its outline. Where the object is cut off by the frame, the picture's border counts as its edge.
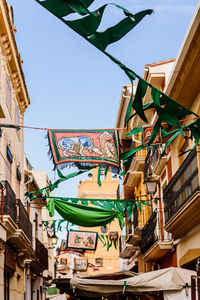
(99, 199)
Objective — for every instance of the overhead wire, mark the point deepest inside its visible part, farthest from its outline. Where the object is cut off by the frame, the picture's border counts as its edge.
(117, 128)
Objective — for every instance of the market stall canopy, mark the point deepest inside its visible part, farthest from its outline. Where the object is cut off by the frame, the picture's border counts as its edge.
(169, 279)
(114, 276)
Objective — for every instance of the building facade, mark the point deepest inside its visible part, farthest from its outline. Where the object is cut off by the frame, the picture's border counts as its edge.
(101, 261)
(39, 268)
(146, 240)
(166, 232)
(181, 195)
(20, 250)
(16, 236)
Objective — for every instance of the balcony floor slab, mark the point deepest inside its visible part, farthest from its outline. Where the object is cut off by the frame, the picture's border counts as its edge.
(186, 218)
(158, 250)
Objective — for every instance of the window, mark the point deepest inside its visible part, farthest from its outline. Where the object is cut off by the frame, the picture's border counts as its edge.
(19, 176)
(8, 92)
(9, 155)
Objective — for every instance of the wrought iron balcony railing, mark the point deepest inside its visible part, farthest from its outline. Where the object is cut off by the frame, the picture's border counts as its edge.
(15, 209)
(151, 160)
(149, 236)
(183, 185)
(41, 253)
(9, 202)
(23, 221)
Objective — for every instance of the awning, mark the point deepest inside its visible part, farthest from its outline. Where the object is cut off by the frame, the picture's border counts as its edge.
(169, 279)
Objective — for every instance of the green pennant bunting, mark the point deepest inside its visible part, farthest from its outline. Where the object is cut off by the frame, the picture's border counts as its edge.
(99, 176)
(10, 126)
(139, 205)
(44, 192)
(155, 131)
(128, 112)
(115, 244)
(134, 131)
(137, 102)
(130, 207)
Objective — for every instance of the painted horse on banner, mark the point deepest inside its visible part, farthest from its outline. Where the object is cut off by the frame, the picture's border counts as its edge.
(76, 145)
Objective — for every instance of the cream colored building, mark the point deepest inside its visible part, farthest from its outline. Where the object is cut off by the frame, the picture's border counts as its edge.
(182, 194)
(144, 248)
(170, 237)
(15, 236)
(19, 249)
(110, 259)
(39, 269)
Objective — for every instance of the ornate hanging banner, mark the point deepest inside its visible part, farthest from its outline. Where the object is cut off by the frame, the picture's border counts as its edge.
(146, 135)
(84, 240)
(84, 148)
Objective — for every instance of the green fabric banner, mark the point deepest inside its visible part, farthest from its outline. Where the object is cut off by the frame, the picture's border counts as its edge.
(81, 215)
(120, 205)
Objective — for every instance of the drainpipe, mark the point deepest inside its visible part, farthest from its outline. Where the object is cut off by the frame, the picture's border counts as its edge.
(27, 280)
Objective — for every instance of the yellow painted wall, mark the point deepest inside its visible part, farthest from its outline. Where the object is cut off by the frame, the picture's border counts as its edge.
(108, 190)
(188, 242)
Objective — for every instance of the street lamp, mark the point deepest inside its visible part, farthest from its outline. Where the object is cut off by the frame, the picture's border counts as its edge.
(186, 133)
(150, 185)
(54, 239)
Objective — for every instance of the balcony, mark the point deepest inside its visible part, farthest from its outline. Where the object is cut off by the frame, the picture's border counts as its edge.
(41, 254)
(137, 166)
(155, 242)
(182, 198)
(154, 163)
(9, 202)
(138, 161)
(19, 233)
(128, 251)
(135, 237)
(23, 221)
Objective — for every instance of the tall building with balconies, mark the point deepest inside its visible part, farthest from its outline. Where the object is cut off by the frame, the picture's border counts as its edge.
(147, 243)
(39, 268)
(15, 226)
(182, 193)
(23, 246)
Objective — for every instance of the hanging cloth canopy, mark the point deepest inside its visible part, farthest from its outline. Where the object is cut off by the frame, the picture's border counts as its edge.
(82, 215)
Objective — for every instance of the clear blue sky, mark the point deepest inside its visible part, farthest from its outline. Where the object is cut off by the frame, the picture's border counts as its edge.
(71, 84)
